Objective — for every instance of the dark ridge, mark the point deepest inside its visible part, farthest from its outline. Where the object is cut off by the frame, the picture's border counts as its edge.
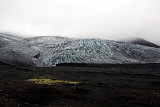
(139, 65)
(2, 63)
(16, 64)
(143, 42)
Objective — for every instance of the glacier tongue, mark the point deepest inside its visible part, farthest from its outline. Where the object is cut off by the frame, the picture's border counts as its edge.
(94, 51)
(47, 51)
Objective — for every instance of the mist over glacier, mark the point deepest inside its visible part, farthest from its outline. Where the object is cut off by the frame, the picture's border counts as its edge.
(105, 19)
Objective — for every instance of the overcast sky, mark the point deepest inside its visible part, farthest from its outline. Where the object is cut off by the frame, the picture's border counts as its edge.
(108, 19)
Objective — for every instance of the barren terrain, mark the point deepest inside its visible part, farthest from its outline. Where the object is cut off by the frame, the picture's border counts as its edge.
(103, 86)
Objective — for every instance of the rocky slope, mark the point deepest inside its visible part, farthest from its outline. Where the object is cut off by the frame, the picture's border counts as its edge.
(143, 42)
(48, 51)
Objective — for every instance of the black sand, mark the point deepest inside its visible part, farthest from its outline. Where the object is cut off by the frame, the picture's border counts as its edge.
(101, 86)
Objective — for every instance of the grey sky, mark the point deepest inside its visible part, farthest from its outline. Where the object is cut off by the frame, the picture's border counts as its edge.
(108, 19)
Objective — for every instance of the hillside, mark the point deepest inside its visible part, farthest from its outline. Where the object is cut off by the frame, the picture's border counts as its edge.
(46, 51)
(143, 42)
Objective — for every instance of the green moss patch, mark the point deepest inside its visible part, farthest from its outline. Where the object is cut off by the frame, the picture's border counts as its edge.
(50, 81)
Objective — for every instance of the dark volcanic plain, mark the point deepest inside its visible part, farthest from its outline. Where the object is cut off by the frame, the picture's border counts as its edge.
(125, 85)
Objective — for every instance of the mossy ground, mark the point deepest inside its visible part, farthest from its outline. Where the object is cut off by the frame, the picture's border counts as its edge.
(51, 82)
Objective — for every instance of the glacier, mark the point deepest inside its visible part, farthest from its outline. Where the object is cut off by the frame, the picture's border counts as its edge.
(47, 51)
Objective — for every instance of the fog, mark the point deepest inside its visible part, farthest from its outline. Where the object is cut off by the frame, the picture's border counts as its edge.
(107, 19)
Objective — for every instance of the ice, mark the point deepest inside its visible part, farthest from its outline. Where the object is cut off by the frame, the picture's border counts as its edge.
(53, 50)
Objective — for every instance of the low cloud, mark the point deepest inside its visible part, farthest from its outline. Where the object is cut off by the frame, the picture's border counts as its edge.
(107, 19)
